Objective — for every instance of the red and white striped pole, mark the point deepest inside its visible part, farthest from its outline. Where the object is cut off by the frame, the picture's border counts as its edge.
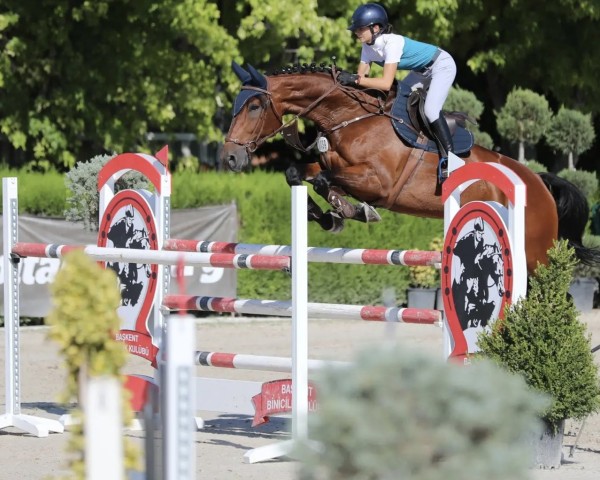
(332, 311)
(258, 362)
(359, 256)
(161, 257)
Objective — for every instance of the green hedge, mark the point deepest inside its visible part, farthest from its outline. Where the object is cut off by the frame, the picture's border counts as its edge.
(39, 193)
(263, 201)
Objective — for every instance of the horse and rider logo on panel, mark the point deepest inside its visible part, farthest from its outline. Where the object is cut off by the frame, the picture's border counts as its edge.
(128, 222)
(126, 232)
(478, 270)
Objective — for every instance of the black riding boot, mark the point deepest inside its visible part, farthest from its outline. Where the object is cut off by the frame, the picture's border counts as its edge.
(443, 138)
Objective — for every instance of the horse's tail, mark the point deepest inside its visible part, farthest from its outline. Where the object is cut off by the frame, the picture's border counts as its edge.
(573, 214)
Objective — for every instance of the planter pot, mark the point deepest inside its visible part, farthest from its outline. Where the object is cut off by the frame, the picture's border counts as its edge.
(547, 447)
(439, 300)
(421, 297)
(582, 291)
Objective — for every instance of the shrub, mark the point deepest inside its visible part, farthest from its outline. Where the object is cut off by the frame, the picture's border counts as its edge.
(582, 270)
(82, 182)
(461, 100)
(83, 320)
(482, 138)
(536, 167)
(571, 132)
(395, 414)
(39, 193)
(427, 277)
(542, 339)
(524, 118)
(587, 182)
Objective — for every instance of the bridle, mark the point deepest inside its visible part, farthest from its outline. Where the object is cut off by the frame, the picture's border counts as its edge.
(289, 129)
(253, 144)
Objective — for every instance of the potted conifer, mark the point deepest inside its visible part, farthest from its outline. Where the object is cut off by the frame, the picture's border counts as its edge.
(424, 282)
(542, 339)
(584, 286)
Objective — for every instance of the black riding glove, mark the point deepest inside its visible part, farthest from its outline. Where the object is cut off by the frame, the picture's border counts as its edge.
(348, 79)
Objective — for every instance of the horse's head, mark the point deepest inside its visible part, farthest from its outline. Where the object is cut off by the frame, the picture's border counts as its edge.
(496, 265)
(255, 119)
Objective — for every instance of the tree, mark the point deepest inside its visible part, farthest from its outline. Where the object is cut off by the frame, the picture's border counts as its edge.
(461, 100)
(524, 118)
(571, 132)
(82, 78)
(505, 43)
(542, 339)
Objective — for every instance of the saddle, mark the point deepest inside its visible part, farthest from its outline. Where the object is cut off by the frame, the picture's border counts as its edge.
(411, 124)
(416, 113)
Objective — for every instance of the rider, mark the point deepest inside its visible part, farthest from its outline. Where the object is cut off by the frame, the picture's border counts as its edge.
(370, 24)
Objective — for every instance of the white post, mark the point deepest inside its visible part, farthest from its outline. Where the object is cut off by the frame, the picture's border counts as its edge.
(10, 205)
(517, 232)
(13, 417)
(299, 314)
(103, 422)
(178, 390)
(299, 333)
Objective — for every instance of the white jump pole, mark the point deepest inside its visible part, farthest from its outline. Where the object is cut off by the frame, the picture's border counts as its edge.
(40, 427)
(178, 390)
(103, 420)
(299, 334)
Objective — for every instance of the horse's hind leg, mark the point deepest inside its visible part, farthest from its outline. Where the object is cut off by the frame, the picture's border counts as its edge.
(328, 221)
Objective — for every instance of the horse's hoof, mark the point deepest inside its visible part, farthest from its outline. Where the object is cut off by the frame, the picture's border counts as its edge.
(369, 213)
(337, 223)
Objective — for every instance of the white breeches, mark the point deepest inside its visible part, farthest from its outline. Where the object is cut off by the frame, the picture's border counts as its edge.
(442, 74)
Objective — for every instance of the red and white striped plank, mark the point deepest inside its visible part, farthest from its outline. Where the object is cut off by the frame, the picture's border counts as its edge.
(315, 310)
(359, 256)
(132, 255)
(258, 362)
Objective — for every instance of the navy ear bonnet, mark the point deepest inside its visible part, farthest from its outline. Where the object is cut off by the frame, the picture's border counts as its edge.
(250, 77)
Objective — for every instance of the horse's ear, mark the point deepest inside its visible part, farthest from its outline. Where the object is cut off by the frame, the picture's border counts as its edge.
(258, 78)
(242, 74)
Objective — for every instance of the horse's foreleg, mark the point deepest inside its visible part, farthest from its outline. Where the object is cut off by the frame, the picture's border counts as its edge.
(335, 196)
(328, 221)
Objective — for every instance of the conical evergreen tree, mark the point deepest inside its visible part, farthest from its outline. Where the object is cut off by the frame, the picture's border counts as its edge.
(542, 339)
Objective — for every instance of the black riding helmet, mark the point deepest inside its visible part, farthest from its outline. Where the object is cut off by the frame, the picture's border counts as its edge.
(368, 15)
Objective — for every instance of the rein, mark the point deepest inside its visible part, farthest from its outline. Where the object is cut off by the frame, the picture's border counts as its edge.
(289, 129)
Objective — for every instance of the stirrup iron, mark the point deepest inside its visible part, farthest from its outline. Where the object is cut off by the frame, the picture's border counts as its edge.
(442, 170)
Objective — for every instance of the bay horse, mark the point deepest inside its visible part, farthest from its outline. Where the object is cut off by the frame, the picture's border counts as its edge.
(365, 159)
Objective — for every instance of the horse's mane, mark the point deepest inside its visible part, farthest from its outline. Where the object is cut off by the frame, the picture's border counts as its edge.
(306, 68)
(302, 68)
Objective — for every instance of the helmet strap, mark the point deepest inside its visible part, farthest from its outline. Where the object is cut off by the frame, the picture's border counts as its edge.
(373, 34)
